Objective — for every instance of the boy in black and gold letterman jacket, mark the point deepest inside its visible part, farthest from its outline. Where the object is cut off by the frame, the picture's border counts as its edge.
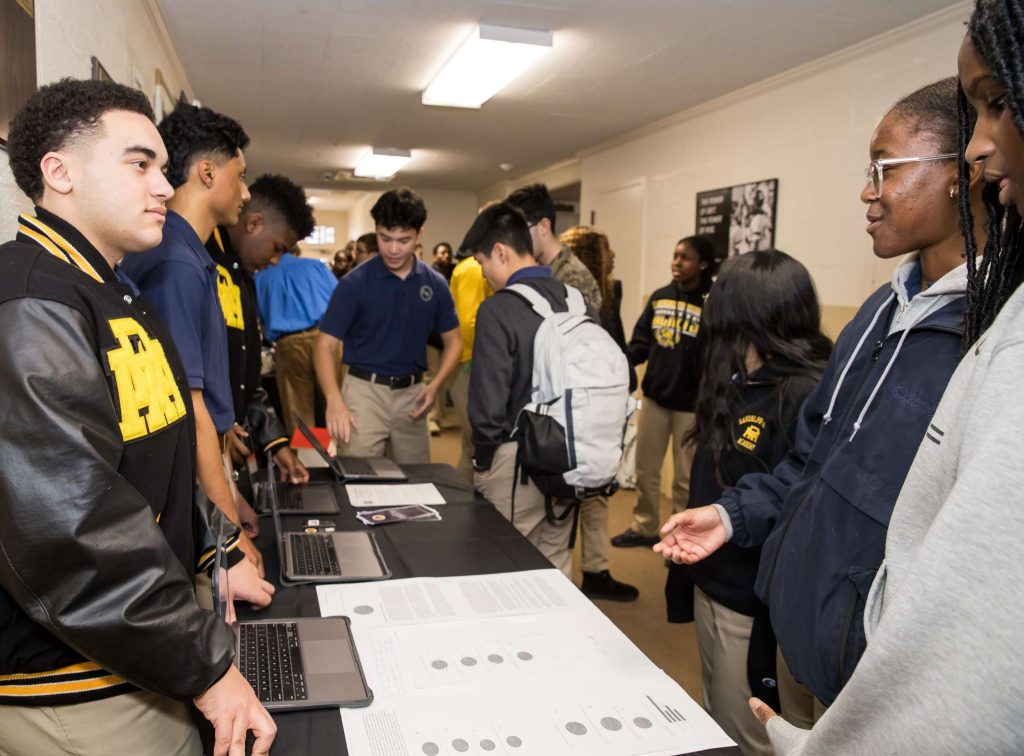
(99, 535)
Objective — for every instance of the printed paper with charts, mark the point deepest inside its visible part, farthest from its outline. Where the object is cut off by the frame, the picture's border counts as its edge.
(515, 663)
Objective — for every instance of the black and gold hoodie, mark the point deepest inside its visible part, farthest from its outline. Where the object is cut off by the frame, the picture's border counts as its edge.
(665, 337)
(97, 474)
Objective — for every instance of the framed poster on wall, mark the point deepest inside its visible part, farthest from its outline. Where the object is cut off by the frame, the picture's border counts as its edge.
(17, 59)
(739, 218)
(99, 73)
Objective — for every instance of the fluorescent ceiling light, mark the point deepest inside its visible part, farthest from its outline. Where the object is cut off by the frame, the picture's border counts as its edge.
(485, 64)
(382, 164)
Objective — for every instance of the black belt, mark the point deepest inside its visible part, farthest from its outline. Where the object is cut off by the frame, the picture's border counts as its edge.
(296, 333)
(391, 381)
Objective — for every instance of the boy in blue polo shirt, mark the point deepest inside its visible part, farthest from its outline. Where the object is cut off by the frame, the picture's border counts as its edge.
(381, 314)
(207, 170)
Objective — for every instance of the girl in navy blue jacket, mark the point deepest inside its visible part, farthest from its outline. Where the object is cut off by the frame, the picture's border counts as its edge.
(821, 516)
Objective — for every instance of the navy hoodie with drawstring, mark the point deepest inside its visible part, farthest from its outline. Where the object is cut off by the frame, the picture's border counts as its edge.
(821, 516)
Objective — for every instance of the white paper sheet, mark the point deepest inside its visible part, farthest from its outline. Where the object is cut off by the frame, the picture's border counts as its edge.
(422, 600)
(393, 494)
(515, 663)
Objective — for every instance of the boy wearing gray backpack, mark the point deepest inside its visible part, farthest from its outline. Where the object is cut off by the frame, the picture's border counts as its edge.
(549, 392)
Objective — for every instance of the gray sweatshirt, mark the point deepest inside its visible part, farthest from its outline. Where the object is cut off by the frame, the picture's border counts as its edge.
(912, 310)
(944, 668)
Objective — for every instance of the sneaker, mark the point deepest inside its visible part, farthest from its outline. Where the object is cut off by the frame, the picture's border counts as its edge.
(601, 585)
(435, 429)
(632, 538)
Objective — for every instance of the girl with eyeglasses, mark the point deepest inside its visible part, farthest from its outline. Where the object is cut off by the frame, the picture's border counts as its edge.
(942, 673)
(821, 515)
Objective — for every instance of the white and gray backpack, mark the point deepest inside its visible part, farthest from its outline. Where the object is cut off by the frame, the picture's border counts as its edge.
(570, 434)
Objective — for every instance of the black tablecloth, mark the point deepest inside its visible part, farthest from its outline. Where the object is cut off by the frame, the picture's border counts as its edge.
(472, 538)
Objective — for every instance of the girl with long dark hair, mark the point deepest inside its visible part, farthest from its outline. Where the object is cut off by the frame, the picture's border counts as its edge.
(942, 670)
(762, 354)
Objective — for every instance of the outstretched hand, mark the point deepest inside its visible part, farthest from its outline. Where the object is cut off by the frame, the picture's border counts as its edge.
(691, 535)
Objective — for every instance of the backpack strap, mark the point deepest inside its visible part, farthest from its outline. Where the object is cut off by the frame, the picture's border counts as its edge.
(575, 304)
(574, 301)
(534, 298)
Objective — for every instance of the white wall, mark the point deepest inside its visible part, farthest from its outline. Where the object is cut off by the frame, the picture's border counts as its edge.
(123, 34)
(339, 220)
(554, 176)
(449, 216)
(809, 127)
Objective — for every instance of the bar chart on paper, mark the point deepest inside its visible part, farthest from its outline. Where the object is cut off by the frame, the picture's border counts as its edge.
(506, 664)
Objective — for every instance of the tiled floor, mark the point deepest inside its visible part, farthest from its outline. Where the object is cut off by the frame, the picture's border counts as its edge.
(671, 647)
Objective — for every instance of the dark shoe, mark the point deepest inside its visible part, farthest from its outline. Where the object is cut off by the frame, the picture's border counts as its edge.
(632, 538)
(601, 585)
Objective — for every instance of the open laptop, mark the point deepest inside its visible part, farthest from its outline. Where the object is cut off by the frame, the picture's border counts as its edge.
(297, 663)
(305, 498)
(339, 557)
(380, 469)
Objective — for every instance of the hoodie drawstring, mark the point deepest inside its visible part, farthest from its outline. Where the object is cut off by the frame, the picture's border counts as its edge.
(871, 398)
(849, 363)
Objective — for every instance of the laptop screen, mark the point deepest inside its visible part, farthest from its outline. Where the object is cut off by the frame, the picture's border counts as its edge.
(270, 492)
(313, 440)
(220, 579)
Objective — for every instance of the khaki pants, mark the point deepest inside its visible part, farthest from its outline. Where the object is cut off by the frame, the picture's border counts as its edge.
(496, 484)
(799, 706)
(140, 723)
(385, 427)
(723, 638)
(594, 534)
(296, 378)
(460, 398)
(439, 412)
(656, 427)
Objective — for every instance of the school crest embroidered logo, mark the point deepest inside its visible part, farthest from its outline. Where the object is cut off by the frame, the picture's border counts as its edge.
(426, 293)
(752, 426)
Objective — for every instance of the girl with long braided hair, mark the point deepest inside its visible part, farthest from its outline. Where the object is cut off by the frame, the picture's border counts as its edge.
(942, 671)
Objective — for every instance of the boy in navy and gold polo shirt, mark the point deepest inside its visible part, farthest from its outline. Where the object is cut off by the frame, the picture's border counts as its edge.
(383, 312)
(206, 167)
(101, 638)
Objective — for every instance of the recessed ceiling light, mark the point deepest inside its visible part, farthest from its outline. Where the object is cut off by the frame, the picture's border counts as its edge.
(381, 163)
(485, 64)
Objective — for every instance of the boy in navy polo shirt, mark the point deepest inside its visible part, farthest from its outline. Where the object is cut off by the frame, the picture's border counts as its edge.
(382, 313)
(207, 170)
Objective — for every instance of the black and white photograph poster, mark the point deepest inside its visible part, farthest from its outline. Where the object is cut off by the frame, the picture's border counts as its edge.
(740, 218)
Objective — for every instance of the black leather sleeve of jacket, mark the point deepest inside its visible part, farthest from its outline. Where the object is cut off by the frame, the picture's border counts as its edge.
(268, 433)
(204, 533)
(80, 550)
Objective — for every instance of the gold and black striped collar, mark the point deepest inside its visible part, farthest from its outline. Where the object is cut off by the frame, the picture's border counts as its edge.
(65, 242)
(220, 249)
(220, 238)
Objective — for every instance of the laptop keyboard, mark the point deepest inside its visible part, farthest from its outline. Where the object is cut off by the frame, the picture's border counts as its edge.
(313, 555)
(271, 660)
(357, 466)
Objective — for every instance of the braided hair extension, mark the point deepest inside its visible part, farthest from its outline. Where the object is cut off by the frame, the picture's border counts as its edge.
(995, 30)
